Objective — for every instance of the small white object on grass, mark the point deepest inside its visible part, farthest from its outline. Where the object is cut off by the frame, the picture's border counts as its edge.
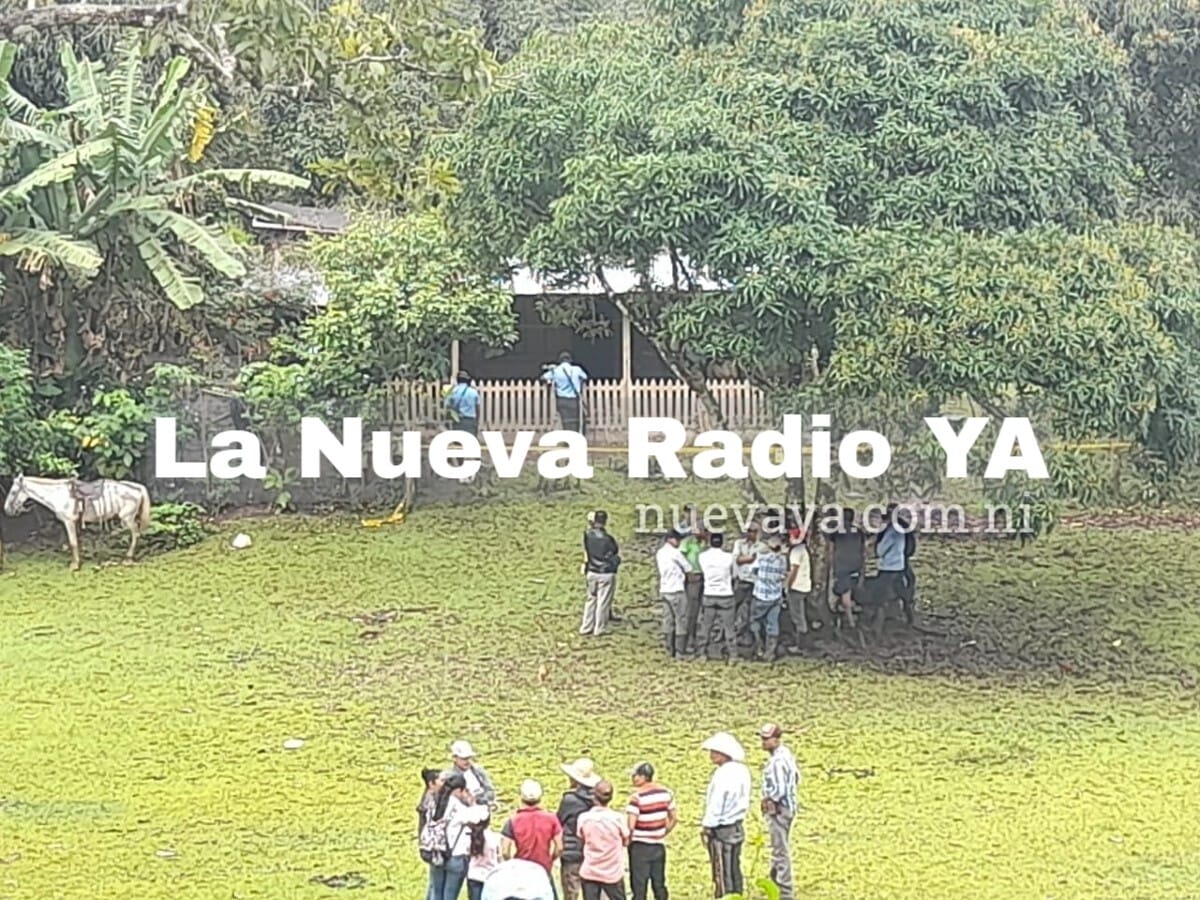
(241, 541)
(293, 744)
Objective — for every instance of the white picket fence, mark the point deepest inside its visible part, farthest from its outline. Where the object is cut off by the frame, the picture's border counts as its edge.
(509, 406)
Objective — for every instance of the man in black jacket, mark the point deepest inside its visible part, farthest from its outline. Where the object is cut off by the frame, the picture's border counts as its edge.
(576, 801)
(603, 560)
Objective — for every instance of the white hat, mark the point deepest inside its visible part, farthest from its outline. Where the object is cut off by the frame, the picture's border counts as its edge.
(531, 791)
(462, 750)
(582, 771)
(726, 744)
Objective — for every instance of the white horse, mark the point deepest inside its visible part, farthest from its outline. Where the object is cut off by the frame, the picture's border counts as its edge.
(78, 503)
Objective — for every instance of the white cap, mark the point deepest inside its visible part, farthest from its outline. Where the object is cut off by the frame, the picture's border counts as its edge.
(725, 744)
(531, 791)
(462, 750)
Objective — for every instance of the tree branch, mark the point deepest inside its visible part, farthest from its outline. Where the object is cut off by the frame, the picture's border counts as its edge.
(987, 406)
(137, 15)
(396, 59)
(217, 59)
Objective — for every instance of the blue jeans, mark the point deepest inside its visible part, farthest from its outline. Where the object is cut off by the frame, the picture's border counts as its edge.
(453, 878)
(765, 616)
(474, 890)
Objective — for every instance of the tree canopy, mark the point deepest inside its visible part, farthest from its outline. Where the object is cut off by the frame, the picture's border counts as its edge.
(913, 198)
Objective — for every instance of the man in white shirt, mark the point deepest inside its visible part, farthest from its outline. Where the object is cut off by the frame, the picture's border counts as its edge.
(745, 554)
(672, 566)
(478, 782)
(725, 809)
(717, 607)
(518, 879)
(799, 584)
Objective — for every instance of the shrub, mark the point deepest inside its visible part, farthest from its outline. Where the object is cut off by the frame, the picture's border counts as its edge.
(174, 526)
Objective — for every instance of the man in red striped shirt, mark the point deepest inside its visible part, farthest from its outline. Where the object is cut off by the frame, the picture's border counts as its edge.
(652, 816)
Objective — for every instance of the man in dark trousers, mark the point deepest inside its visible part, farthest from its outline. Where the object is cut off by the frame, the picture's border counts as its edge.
(576, 801)
(568, 381)
(603, 560)
(652, 816)
(463, 402)
(725, 807)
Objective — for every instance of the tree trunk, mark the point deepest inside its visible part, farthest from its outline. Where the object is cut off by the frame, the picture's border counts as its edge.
(685, 371)
(139, 15)
(821, 551)
(489, 17)
(794, 500)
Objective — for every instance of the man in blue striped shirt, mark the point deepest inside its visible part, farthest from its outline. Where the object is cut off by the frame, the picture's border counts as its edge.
(781, 779)
(770, 572)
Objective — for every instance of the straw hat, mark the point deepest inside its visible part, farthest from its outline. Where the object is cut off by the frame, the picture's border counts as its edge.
(582, 771)
(725, 744)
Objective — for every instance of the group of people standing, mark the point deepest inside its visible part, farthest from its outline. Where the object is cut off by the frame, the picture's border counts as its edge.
(595, 846)
(739, 595)
(568, 380)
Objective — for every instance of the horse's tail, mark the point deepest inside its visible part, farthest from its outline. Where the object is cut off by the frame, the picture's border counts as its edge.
(144, 511)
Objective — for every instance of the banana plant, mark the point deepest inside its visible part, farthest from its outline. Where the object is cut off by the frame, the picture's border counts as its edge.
(107, 179)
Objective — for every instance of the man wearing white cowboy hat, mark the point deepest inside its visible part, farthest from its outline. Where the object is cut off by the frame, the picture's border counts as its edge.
(576, 801)
(725, 808)
(478, 782)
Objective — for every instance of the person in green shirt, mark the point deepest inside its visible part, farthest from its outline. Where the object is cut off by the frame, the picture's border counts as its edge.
(691, 547)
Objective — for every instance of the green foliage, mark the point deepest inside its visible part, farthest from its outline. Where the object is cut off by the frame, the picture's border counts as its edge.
(277, 394)
(27, 443)
(1162, 40)
(174, 526)
(508, 24)
(109, 439)
(320, 83)
(16, 399)
(281, 482)
(103, 192)
(401, 290)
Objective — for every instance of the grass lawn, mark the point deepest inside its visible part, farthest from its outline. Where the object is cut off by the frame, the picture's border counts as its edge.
(145, 711)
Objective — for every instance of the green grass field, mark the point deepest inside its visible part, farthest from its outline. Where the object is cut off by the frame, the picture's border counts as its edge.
(145, 711)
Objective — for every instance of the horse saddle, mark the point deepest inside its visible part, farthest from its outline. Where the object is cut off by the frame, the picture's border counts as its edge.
(87, 491)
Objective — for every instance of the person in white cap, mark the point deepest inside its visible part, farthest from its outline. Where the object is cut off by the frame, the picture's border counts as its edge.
(725, 807)
(532, 833)
(576, 801)
(518, 879)
(781, 779)
(478, 782)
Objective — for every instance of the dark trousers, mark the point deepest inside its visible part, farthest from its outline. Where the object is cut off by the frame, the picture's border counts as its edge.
(743, 597)
(719, 612)
(594, 890)
(693, 589)
(469, 424)
(725, 857)
(570, 413)
(648, 867)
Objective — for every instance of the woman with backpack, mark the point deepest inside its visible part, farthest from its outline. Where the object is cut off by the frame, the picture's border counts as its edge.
(446, 838)
(432, 778)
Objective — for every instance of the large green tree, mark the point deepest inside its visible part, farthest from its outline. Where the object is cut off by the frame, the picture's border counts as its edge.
(850, 170)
